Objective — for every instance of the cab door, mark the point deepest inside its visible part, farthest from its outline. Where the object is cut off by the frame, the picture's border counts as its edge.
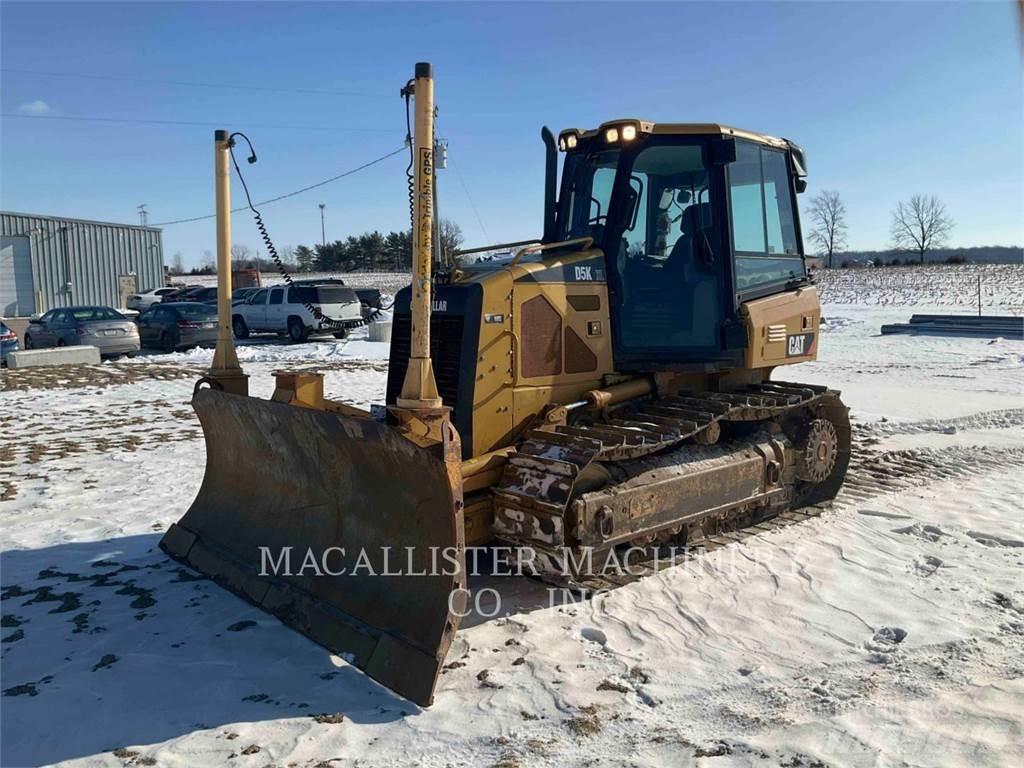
(669, 285)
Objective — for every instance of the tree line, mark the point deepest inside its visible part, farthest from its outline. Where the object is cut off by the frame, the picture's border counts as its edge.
(919, 225)
(367, 252)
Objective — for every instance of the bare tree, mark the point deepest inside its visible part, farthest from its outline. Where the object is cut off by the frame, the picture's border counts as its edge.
(828, 219)
(286, 254)
(177, 263)
(240, 255)
(920, 225)
(451, 236)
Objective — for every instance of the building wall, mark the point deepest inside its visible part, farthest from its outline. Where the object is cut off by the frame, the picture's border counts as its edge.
(75, 261)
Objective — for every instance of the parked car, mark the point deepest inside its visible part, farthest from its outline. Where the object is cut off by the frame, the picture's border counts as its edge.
(101, 327)
(201, 294)
(286, 309)
(143, 301)
(8, 342)
(180, 325)
(371, 298)
(183, 294)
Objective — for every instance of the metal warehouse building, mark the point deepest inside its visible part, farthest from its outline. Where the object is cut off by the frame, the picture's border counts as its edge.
(48, 262)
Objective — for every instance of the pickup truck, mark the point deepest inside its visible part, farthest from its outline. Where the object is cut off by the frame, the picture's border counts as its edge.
(291, 309)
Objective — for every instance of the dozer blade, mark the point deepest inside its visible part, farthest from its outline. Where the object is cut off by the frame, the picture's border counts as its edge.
(357, 498)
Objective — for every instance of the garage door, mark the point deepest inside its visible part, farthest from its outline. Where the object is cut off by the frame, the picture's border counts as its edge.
(17, 293)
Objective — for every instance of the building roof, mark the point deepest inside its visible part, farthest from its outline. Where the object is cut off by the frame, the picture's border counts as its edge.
(79, 221)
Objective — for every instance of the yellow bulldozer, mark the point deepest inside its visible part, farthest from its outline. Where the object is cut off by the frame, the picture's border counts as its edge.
(607, 384)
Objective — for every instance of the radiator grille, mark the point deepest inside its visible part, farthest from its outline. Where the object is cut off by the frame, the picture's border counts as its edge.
(445, 352)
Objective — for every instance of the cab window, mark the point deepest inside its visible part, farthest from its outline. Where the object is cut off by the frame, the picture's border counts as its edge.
(763, 225)
(259, 298)
(590, 182)
(276, 295)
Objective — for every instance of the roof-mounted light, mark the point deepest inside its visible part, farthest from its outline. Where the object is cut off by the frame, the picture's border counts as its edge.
(624, 130)
(568, 139)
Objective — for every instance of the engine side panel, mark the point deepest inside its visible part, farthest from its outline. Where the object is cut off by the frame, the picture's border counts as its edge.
(562, 330)
(782, 329)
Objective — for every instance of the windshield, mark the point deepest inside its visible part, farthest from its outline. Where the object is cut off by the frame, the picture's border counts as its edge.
(87, 314)
(196, 310)
(589, 180)
(321, 294)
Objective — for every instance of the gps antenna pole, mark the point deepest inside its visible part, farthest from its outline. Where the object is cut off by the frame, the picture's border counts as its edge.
(421, 415)
(419, 391)
(225, 368)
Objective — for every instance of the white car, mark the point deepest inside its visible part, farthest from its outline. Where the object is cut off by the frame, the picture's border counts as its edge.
(299, 310)
(143, 301)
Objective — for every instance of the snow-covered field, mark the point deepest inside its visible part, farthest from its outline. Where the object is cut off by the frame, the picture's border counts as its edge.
(889, 631)
(951, 286)
(387, 282)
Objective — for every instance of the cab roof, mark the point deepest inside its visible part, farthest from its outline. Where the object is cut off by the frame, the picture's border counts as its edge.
(687, 129)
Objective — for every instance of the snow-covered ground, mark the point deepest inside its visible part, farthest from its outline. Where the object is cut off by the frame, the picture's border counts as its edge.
(888, 631)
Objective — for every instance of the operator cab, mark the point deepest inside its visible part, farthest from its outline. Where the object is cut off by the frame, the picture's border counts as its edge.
(693, 220)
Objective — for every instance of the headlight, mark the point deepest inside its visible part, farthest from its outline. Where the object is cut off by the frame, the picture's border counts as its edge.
(571, 141)
(611, 135)
(628, 132)
(561, 145)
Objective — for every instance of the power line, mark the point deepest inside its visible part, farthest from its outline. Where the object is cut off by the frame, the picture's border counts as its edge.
(473, 206)
(140, 121)
(194, 84)
(287, 194)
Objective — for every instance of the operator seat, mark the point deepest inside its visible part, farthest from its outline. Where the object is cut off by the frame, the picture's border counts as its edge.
(694, 281)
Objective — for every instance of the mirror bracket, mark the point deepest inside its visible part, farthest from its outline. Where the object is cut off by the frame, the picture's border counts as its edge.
(723, 150)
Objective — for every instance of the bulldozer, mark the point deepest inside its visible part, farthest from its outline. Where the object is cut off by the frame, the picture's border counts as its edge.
(610, 383)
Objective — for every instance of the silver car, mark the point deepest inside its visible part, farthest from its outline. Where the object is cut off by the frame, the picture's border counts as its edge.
(101, 327)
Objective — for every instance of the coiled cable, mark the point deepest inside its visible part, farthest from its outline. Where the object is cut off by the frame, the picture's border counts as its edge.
(410, 179)
(265, 236)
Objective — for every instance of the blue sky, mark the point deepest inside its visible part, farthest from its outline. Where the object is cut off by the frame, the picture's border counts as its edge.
(888, 99)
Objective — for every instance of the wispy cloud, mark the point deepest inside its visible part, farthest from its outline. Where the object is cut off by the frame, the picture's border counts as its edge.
(37, 107)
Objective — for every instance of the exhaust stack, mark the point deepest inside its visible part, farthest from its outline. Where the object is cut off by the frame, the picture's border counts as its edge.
(550, 183)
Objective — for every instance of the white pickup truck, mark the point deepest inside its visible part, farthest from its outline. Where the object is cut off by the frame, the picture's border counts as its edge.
(292, 310)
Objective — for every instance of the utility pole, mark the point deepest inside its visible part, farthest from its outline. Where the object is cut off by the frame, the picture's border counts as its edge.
(323, 231)
(143, 214)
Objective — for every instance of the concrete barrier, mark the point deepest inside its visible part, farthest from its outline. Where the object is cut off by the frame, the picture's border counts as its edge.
(380, 331)
(32, 358)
